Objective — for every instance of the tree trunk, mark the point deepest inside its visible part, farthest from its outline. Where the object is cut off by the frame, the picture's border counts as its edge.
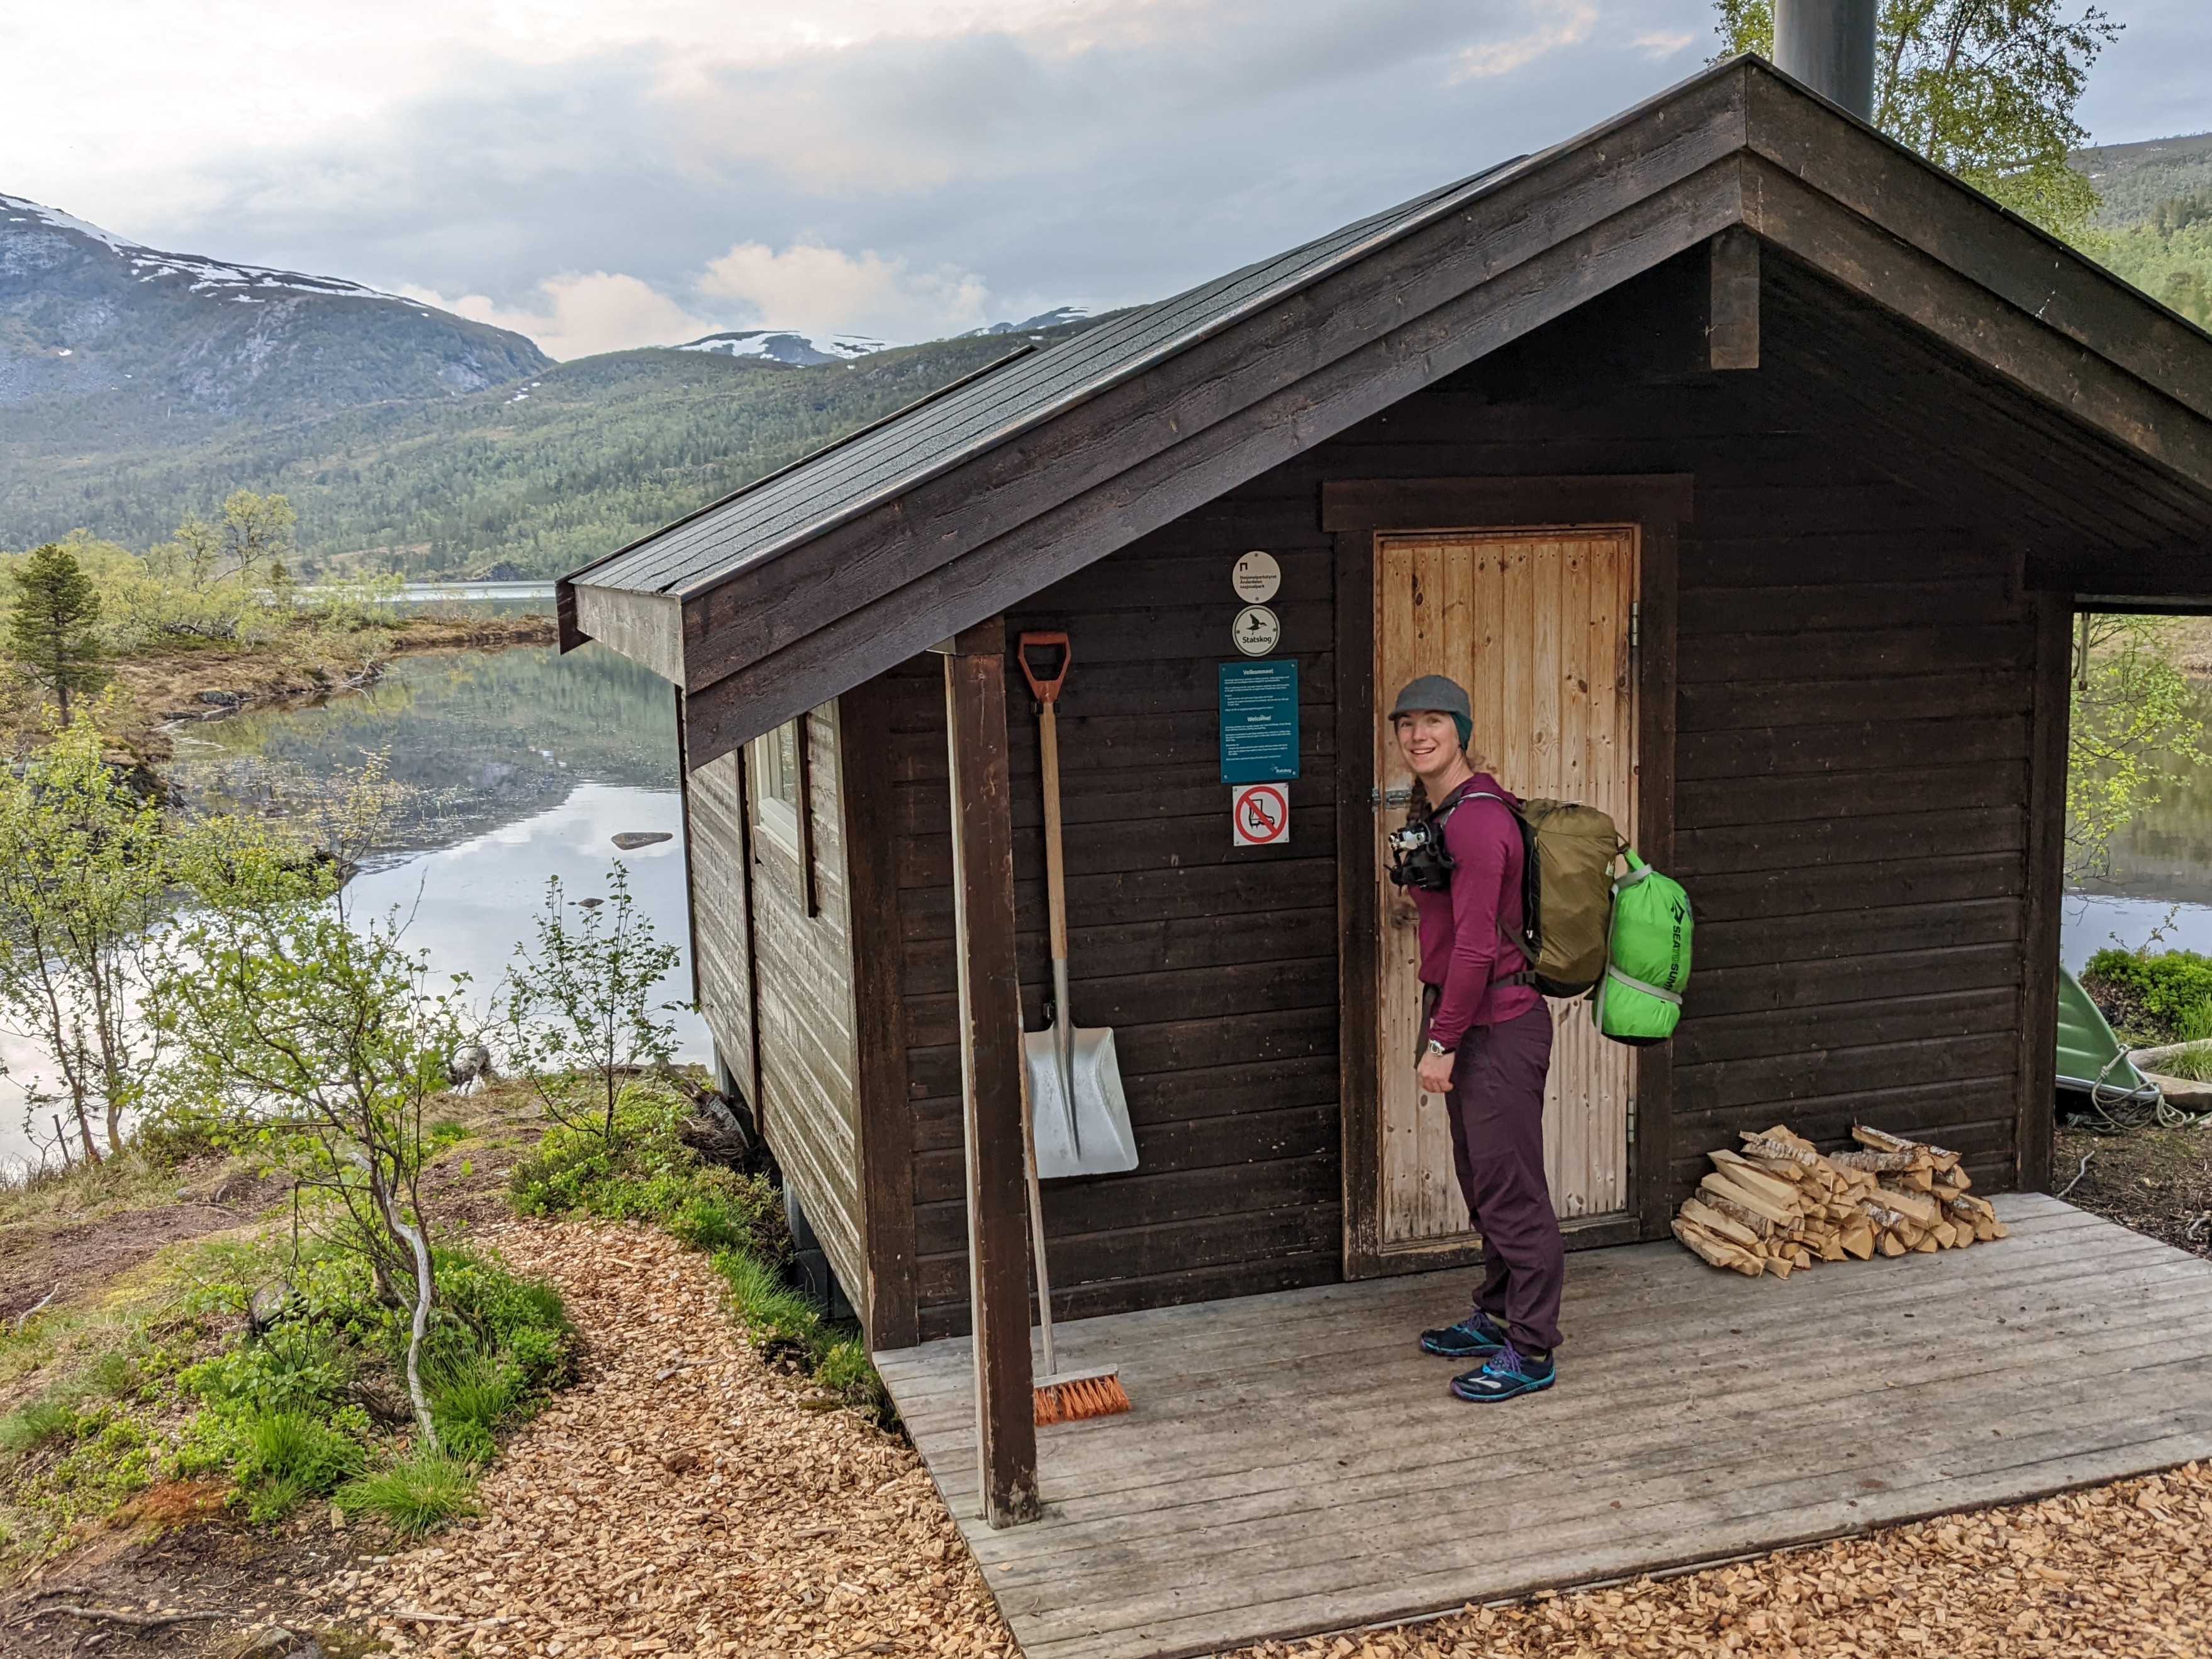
(425, 1288)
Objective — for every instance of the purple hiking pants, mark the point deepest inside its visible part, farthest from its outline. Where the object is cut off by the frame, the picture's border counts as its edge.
(1496, 1109)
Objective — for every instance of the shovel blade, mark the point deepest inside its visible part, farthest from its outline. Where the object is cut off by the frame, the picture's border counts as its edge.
(1099, 1141)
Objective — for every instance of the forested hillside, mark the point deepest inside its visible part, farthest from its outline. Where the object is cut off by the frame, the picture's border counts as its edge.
(535, 477)
(2156, 226)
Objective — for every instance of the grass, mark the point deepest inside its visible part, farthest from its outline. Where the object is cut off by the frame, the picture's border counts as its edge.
(162, 1378)
(646, 1173)
(417, 1494)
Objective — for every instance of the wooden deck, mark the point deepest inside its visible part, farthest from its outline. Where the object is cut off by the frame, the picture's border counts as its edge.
(1294, 1465)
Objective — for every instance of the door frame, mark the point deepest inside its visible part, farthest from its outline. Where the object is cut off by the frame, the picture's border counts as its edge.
(1355, 511)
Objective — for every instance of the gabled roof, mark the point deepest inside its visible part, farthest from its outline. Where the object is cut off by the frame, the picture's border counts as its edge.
(812, 580)
(983, 410)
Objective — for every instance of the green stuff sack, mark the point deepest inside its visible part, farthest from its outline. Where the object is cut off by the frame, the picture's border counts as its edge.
(1639, 1001)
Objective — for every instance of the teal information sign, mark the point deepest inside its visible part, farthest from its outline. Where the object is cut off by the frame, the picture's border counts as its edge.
(1259, 721)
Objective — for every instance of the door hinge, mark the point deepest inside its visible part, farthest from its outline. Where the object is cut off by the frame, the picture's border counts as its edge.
(1382, 798)
(1631, 1123)
(1635, 624)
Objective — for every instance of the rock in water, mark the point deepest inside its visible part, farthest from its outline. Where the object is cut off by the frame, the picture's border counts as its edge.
(630, 839)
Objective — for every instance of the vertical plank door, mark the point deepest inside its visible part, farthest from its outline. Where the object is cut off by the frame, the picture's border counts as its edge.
(1536, 625)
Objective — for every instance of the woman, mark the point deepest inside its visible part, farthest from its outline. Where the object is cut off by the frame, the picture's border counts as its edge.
(1486, 1046)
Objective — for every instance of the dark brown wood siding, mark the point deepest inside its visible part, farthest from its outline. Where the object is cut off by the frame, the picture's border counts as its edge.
(720, 930)
(1856, 702)
(808, 1091)
(1855, 719)
(1856, 707)
(1215, 966)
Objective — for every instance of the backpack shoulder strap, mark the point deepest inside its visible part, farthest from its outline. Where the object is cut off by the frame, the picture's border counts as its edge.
(1457, 797)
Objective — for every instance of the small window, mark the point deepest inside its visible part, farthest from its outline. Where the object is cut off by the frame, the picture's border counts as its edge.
(779, 788)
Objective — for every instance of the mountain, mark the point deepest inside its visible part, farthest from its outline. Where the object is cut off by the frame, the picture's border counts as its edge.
(538, 477)
(1056, 318)
(104, 340)
(138, 386)
(800, 350)
(2156, 226)
(2134, 180)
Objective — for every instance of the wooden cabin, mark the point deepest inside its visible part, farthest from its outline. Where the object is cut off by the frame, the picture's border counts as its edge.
(1749, 469)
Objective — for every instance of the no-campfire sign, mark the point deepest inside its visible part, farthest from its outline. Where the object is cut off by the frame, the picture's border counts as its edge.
(1261, 813)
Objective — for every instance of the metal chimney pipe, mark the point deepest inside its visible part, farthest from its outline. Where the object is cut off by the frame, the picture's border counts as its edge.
(1829, 46)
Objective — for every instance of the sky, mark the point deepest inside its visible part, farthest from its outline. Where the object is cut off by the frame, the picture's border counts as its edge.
(601, 175)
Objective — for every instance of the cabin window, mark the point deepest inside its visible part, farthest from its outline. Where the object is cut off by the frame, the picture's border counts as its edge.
(782, 816)
(777, 805)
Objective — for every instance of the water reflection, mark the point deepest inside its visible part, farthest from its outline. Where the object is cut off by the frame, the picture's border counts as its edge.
(2160, 875)
(524, 764)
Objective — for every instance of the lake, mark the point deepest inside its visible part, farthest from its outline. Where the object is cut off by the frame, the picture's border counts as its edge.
(2160, 875)
(522, 765)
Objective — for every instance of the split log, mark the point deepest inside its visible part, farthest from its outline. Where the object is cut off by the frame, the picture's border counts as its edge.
(1781, 1205)
(1718, 1251)
(1714, 1222)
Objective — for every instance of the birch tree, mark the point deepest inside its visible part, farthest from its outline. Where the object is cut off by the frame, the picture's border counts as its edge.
(85, 868)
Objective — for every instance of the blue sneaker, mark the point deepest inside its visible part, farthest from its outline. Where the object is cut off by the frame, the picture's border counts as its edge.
(1476, 1337)
(1506, 1375)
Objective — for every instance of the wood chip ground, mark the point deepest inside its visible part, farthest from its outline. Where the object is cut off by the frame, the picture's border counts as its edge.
(682, 1499)
(2119, 1569)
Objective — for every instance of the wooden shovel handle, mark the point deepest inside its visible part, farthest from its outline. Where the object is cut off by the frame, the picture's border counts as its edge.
(1045, 691)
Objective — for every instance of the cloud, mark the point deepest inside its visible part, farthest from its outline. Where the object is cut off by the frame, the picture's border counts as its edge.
(584, 313)
(822, 290)
(1562, 25)
(902, 167)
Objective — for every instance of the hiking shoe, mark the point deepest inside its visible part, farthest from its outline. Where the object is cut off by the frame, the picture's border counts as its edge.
(1505, 1375)
(1476, 1337)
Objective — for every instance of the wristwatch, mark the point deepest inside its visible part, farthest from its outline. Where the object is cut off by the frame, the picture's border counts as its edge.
(1438, 1049)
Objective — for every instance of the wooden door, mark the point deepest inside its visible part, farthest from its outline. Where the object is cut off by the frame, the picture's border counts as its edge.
(1537, 625)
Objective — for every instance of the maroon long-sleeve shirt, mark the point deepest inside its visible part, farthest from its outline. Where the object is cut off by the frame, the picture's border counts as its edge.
(1463, 952)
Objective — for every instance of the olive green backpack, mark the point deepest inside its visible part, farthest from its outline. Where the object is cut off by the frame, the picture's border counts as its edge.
(1583, 931)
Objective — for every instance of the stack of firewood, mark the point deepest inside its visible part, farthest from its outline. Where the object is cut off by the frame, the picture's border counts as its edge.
(1780, 1204)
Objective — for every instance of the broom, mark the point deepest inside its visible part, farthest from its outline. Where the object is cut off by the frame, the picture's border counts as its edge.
(1057, 1396)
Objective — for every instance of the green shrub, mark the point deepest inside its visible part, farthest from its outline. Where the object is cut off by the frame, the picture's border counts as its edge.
(301, 1366)
(415, 1495)
(2152, 999)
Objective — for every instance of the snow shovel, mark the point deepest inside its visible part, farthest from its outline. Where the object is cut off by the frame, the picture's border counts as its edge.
(1075, 1082)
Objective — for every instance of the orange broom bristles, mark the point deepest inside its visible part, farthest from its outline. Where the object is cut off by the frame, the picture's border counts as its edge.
(1078, 1398)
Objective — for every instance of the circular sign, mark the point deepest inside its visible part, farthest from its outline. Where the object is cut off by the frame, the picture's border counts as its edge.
(1256, 577)
(1257, 630)
(1262, 815)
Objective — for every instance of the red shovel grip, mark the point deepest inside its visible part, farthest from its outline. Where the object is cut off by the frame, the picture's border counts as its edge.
(1046, 691)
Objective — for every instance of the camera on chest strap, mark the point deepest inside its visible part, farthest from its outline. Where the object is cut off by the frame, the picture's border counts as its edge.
(1418, 858)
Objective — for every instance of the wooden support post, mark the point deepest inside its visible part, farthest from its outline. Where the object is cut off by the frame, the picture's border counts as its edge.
(1732, 316)
(2045, 878)
(990, 1068)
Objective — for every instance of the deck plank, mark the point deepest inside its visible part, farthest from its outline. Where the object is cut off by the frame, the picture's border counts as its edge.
(1294, 1465)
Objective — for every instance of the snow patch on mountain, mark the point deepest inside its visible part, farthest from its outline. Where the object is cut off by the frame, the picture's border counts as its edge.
(218, 278)
(786, 346)
(1056, 318)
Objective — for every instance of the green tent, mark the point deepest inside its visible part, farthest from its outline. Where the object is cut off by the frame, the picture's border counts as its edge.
(2090, 1058)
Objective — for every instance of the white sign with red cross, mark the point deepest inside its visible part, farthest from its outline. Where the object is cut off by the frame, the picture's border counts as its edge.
(1261, 813)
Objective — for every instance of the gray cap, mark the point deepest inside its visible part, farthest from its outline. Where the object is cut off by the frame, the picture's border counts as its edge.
(1436, 691)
